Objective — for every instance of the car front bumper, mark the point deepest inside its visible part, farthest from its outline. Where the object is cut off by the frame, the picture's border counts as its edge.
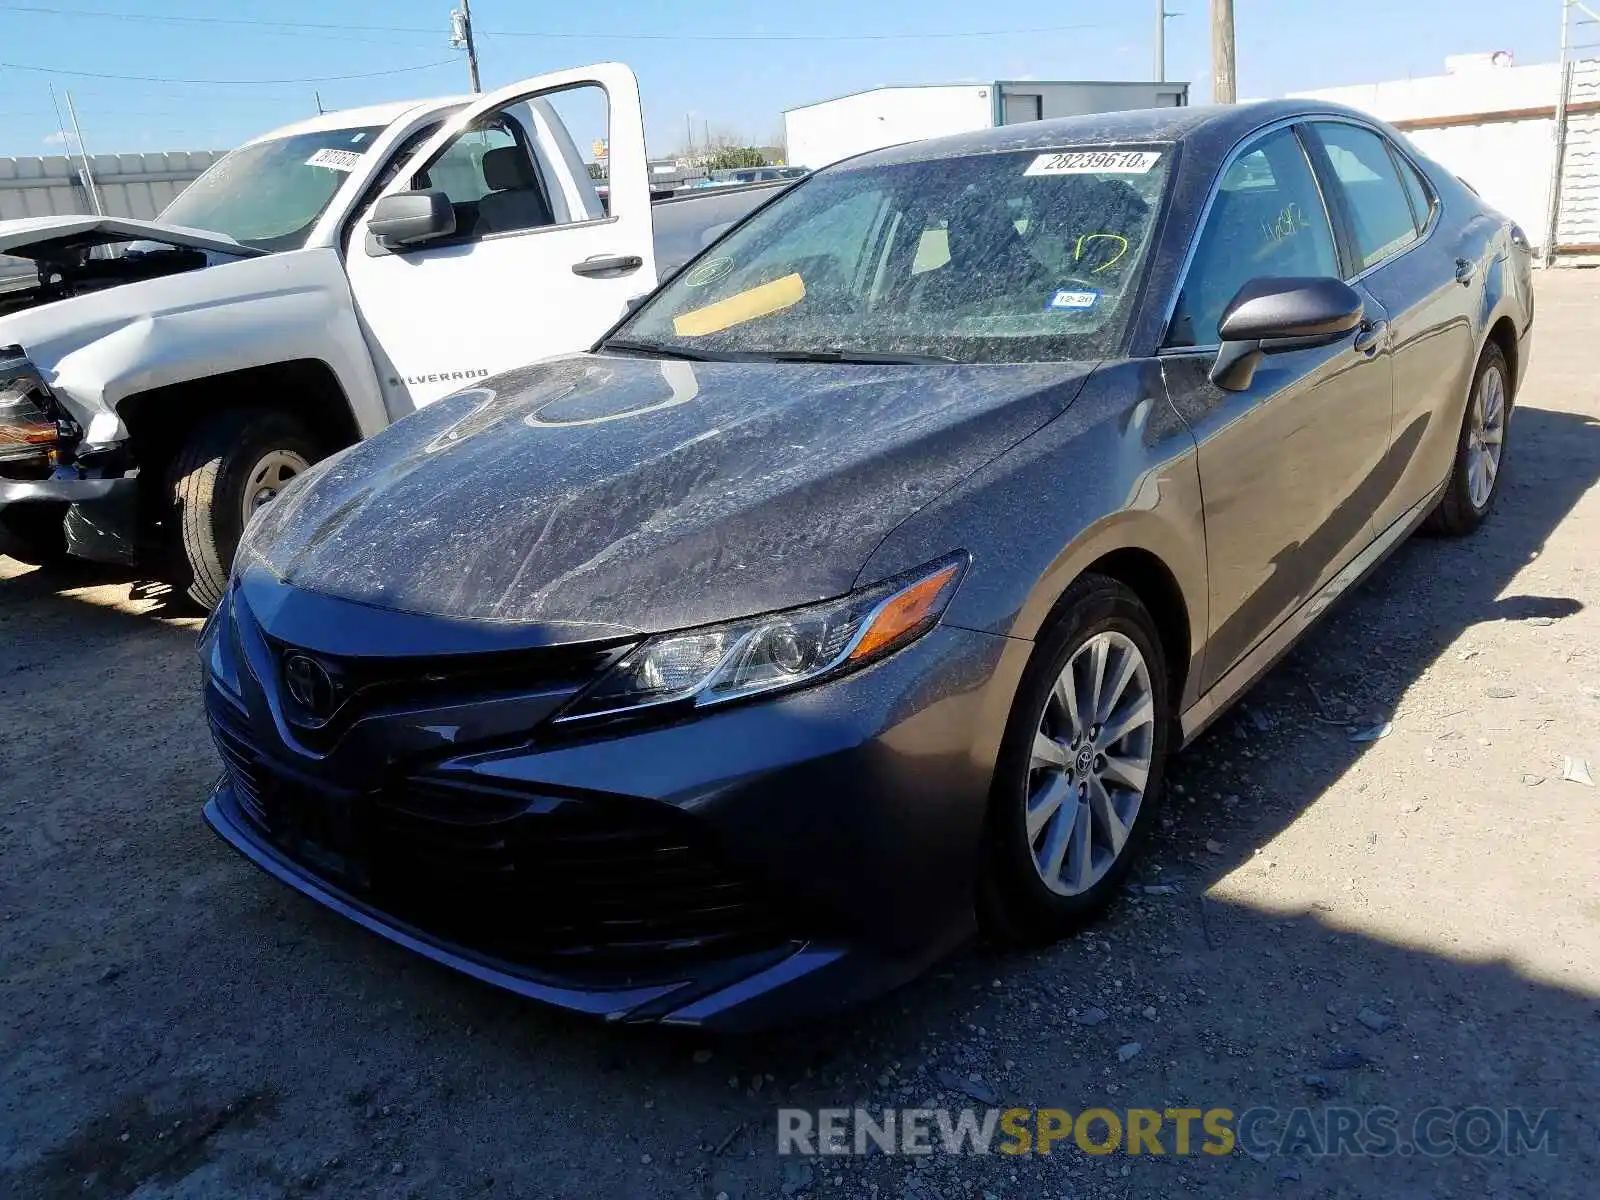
(99, 515)
(843, 822)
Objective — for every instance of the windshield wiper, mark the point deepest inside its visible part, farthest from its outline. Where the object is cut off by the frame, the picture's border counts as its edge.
(656, 350)
(838, 354)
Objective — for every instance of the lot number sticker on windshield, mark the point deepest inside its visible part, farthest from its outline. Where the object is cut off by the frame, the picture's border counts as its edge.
(1095, 162)
(336, 160)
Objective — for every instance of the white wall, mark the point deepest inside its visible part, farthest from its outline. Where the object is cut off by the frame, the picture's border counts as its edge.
(1508, 161)
(833, 129)
(1491, 89)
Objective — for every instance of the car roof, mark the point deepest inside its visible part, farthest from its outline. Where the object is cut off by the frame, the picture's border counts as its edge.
(1218, 123)
(361, 118)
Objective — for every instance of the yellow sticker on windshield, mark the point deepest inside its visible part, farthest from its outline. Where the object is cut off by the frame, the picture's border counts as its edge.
(746, 306)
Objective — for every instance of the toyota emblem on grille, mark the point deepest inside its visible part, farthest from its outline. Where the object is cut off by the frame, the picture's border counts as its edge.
(309, 684)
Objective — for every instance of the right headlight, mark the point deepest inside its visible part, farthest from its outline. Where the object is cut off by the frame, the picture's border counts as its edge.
(769, 653)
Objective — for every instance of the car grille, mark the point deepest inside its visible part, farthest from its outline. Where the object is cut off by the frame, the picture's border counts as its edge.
(366, 684)
(243, 766)
(586, 884)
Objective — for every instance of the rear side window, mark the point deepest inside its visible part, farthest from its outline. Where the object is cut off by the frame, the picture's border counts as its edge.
(1267, 219)
(1421, 197)
(1380, 211)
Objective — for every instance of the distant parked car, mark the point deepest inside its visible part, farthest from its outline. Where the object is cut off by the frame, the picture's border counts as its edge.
(757, 174)
(852, 593)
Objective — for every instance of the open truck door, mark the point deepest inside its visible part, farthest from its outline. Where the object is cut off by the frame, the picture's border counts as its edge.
(491, 248)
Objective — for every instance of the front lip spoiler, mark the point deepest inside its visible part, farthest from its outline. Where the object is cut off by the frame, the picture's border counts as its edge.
(703, 1001)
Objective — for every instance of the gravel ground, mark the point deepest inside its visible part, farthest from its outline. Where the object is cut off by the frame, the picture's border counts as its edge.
(1410, 921)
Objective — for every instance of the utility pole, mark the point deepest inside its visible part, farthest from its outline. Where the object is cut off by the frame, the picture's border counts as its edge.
(1161, 41)
(461, 37)
(1224, 80)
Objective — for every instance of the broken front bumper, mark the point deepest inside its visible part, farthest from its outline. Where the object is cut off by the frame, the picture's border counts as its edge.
(98, 515)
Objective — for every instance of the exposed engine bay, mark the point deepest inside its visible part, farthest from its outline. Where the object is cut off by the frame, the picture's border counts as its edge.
(70, 267)
(44, 259)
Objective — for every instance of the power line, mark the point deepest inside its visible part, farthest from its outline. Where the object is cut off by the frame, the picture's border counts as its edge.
(934, 35)
(43, 10)
(6, 66)
(336, 27)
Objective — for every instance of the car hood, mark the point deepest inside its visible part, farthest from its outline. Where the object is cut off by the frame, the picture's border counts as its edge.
(645, 494)
(29, 237)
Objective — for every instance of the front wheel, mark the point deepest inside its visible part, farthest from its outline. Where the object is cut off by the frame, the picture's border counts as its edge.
(233, 463)
(1080, 767)
(1480, 450)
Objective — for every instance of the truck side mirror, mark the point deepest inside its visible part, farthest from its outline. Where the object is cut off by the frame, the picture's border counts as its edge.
(408, 219)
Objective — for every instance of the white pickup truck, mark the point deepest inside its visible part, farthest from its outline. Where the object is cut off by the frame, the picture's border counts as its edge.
(161, 380)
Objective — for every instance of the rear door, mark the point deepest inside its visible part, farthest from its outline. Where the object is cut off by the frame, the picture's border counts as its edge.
(1390, 219)
(1286, 466)
(537, 266)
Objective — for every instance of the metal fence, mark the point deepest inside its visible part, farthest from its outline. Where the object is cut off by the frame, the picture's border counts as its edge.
(129, 185)
(1575, 211)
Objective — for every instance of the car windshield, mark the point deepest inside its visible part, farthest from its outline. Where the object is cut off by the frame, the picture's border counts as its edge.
(269, 194)
(987, 258)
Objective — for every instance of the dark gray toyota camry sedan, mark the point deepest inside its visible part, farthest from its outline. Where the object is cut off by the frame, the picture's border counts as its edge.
(849, 597)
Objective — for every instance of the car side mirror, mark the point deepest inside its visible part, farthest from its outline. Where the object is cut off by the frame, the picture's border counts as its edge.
(408, 219)
(1271, 314)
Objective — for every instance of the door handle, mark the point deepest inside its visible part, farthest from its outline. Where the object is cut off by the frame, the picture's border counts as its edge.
(1370, 337)
(1464, 269)
(607, 266)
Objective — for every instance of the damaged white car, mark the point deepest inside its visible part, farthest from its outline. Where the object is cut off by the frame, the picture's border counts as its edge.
(160, 381)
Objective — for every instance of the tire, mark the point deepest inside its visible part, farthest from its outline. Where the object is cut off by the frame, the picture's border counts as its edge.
(1458, 512)
(1015, 903)
(34, 534)
(216, 481)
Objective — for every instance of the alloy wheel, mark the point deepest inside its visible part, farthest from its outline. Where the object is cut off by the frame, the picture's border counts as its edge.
(1485, 436)
(1090, 764)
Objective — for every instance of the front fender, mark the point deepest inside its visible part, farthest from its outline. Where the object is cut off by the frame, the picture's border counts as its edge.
(97, 350)
(1117, 471)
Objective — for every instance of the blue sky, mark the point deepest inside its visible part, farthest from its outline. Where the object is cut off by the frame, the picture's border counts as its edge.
(739, 86)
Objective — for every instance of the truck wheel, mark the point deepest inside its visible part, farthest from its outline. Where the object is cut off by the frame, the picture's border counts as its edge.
(33, 534)
(232, 464)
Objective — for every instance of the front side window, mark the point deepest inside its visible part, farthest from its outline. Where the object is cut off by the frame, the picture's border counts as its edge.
(1380, 211)
(984, 258)
(519, 167)
(489, 174)
(269, 194)
(1267, 218)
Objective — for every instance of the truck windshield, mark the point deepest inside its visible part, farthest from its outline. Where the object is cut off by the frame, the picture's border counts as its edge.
(985, 258)
(269, 194)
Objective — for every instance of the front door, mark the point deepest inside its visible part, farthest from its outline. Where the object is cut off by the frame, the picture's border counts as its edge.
(1287, 466)
(538, 264)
